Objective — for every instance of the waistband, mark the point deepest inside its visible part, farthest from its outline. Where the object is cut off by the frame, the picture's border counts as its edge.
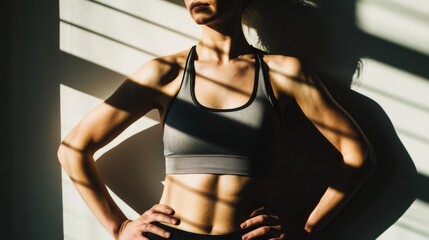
(178, 234)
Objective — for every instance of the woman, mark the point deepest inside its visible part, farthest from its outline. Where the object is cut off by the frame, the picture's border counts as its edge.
(220, 104)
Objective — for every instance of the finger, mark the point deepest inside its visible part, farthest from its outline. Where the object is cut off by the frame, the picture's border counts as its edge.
(151, 228)
(262, 231)
(161, 208)
(134, 232)
(260, 220)
(281, 236)
(160, 217)
(259, 211)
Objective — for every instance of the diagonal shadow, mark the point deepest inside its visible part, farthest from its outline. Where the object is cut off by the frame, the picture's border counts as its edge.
(177, 2)
(109, 38)
(372, 208)
(306, 160)
(143, 19)
(135, 168)
(395, 55)
(328, 40)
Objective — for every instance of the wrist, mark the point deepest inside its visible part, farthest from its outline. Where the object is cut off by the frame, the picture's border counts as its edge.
(308, 228)
(120, 228)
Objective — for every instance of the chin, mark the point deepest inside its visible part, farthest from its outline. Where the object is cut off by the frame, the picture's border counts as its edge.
(204, 16)
(202, 20)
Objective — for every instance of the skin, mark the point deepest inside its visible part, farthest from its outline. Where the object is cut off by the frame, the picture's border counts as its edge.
(206, 203)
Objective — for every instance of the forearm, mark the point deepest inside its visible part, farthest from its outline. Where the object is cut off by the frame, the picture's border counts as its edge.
(328, 206)
(343, 186)
(82, 171)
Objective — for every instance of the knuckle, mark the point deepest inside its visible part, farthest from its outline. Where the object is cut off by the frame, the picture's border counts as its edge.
(144, 218)
(154, 207)
(249, 222)
(139, 220)
(276, 228)
(149, 227)
(157, 217)
(148, 212)
(152, 217)
(266, 229)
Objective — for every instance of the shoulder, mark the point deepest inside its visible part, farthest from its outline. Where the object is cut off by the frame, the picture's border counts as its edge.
(285, 72)
(160, 71)
(285, 65)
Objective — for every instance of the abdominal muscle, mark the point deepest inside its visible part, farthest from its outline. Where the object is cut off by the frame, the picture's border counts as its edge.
(213, 204)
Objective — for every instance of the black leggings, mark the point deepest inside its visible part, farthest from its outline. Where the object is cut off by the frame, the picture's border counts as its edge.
(177, 234)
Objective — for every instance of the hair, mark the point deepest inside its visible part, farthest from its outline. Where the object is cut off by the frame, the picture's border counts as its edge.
(252, 19)
(250, 13)
(307, 41)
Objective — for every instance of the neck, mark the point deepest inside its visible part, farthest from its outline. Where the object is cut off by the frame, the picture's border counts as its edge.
(222, 44)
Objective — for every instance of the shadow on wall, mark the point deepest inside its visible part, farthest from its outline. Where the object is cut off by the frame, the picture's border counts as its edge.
(135, 168)
(328, 40)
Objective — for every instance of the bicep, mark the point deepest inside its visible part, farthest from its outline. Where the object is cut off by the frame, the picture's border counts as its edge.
(140, 93)
(331, 119)
(107, 120)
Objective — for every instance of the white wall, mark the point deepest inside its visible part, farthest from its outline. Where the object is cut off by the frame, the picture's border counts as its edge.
(121, 35)
(403, 95)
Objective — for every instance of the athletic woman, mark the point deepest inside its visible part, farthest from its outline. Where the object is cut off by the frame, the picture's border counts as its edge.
(220, 105)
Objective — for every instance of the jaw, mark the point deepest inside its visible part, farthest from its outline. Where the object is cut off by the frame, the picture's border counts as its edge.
(217, 14)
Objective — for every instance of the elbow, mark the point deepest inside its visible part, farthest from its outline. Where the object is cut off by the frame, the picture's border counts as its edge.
(64, 156)
(68, 155)
(362, 164)
(368, 163)
(371, 161)
(61, 155)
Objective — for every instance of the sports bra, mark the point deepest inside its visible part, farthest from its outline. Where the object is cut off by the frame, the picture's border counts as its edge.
(238, 141)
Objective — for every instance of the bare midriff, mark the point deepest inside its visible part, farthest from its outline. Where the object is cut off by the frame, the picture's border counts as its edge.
(214, 204)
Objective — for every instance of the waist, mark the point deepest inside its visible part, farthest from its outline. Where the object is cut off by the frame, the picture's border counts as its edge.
(220, 164)
(214, 204)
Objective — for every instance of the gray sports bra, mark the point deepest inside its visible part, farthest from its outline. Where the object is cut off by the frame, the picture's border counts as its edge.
(237, 141)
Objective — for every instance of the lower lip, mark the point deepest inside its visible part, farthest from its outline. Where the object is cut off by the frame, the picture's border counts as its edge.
(200, 7)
